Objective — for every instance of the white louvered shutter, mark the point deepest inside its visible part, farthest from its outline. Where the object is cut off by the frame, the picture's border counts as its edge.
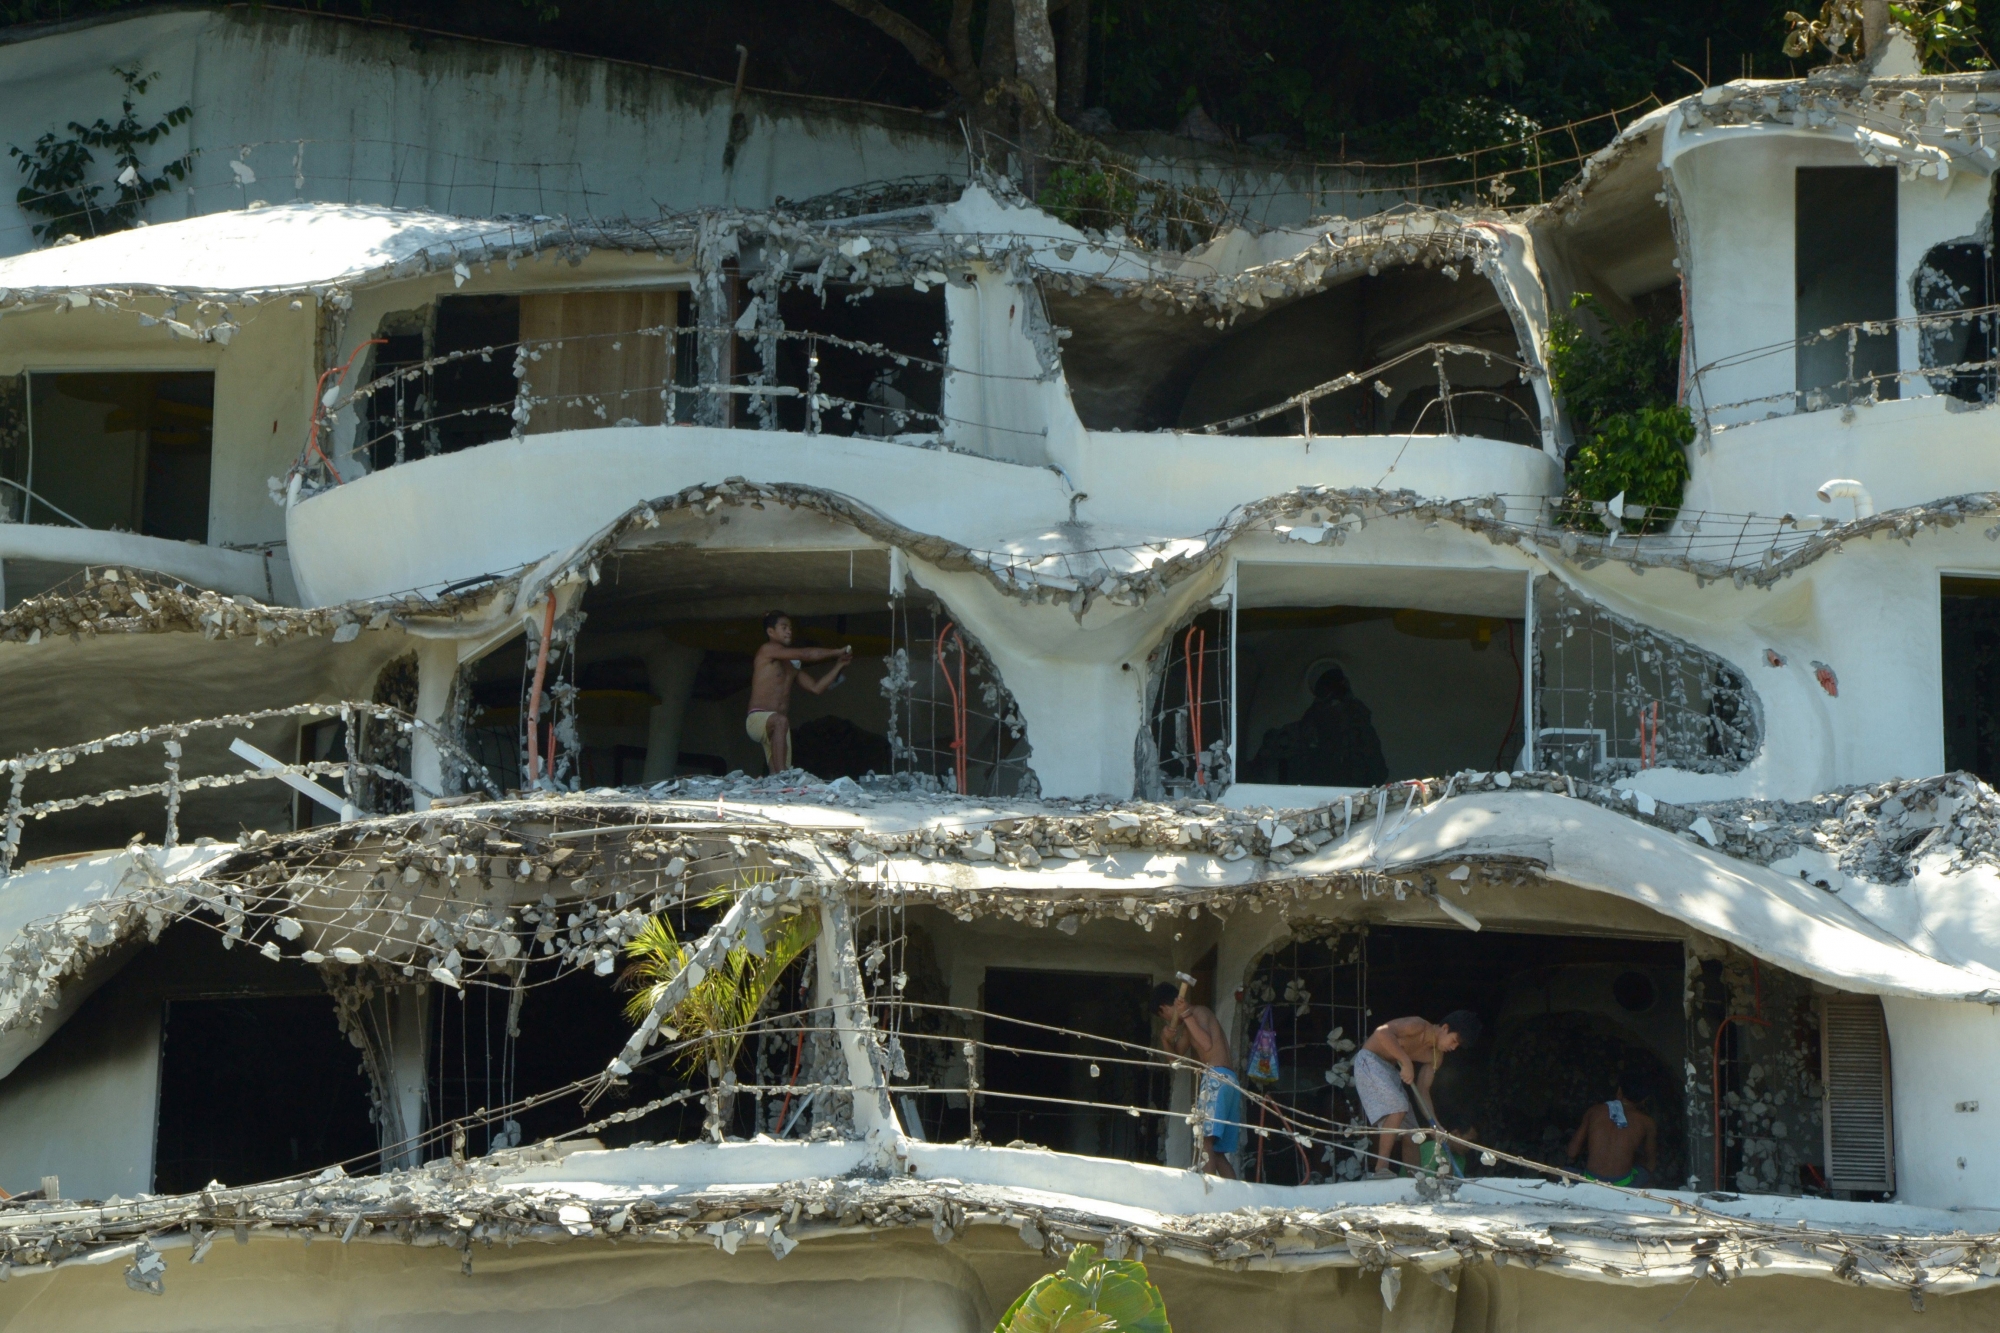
(1854, 1066)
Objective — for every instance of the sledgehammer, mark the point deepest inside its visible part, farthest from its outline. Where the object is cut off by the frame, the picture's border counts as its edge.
(1186, 981)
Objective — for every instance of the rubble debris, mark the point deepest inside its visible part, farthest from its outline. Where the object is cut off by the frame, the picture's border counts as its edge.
(581, 872)
(466, 1207)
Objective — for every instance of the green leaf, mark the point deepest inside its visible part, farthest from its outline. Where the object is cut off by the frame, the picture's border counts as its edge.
(1089, 1293)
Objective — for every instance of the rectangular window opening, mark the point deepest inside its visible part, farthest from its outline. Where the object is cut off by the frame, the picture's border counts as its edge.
(125, 451)
(1969, 642)
(1845, 269)
(1356, 677)
(1059, 1022)
(255, 1089)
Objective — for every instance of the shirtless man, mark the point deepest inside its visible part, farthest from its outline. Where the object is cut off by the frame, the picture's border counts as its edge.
(1389, 1059)
(1613, 1133)
(772, 673)
(1192, 1029)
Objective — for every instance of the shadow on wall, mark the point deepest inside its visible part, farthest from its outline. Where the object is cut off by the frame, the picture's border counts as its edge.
(1130, 368)
(1351, 696)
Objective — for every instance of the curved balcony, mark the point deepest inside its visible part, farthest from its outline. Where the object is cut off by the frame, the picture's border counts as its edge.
(36, 557)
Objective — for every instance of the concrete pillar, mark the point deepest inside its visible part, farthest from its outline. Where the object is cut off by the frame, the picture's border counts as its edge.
(437, 669)
(839, 989)
(405, 1017)
(670, 669)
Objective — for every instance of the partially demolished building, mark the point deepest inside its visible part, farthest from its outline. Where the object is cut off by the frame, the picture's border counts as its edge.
(380, 594)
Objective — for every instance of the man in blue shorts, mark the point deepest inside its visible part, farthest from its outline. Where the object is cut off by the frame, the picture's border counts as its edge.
(1192, 1029)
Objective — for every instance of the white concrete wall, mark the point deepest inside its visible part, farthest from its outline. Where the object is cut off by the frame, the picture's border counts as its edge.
(458, 126)
(1736, 185)
(263, 387)
(1910, 452)
(1943, 1056)
(82, 1108)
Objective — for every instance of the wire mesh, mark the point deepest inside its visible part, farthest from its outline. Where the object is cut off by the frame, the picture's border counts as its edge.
(1191, 714)
(1613, 696)
(952, 723)
(1314, 993)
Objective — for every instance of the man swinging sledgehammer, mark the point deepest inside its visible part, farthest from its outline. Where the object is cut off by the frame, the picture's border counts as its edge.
(773, 671)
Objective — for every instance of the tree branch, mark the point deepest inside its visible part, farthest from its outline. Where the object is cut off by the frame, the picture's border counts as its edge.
(923, 47)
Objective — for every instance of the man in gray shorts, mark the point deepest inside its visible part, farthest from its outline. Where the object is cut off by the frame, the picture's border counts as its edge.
(1389, 1059)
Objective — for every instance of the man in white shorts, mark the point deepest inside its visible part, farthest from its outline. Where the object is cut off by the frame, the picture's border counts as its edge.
(1388, 1060)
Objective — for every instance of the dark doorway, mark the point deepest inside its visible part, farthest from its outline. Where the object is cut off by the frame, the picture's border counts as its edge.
(1053, 1058)
(1566, 1019)
(258, 1089)
(1970, 643)
(1844, 259)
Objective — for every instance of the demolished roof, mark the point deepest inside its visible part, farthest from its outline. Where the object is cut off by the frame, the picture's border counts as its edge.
(1713, 869)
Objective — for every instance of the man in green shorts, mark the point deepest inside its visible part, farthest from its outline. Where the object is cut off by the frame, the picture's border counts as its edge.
(1614, 1133)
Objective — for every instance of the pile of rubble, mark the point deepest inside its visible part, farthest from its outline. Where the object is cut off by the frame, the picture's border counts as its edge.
(467, 1207)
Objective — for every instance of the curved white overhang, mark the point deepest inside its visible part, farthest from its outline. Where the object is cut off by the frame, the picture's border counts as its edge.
(1768, 914)
(512, 502)
(60, 916)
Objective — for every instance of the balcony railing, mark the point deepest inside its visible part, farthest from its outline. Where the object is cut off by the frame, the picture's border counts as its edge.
(356, 774)
(767, 379)
(1957, 356)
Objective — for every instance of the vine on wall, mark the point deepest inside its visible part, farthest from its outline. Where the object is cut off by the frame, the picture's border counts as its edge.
(59, 187)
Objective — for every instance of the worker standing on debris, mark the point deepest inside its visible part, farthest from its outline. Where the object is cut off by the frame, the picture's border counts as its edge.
(777, 666)
(1389, 1059)
(1614, 1133)
(1192, 1029)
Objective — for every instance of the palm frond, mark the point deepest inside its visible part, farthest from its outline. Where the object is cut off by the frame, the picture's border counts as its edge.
(716, 1013)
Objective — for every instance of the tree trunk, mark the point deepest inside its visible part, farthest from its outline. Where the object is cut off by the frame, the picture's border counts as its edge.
(1035, 66)
(1072, 85)
(1874, 28)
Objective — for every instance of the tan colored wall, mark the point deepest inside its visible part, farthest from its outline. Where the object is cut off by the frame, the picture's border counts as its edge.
(263, 386)
(885, 1284)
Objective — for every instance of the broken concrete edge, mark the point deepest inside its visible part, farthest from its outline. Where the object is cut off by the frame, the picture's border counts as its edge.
(1914, 104)
(116, 599)
(121, 599)
(1341, 511)
(462, 1207)
(925, 246)
(1879, 833)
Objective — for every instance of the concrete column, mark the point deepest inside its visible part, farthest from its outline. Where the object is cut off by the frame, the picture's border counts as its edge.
(670, 669)
(437, 669)
(405, 1016)
(840, 990)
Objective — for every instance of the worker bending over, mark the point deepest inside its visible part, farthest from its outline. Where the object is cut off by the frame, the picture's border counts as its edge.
(777, 666)
(1389, 1059)
(1192, 1029)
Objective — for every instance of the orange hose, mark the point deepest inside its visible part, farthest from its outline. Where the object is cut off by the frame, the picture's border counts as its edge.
(319, 406)
(535, 698)
(957, 692)
(1715, 1060)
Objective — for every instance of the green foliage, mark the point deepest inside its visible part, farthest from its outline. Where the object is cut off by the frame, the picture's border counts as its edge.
(1099, 190)
(1946, 33)
(717, 1011)
(1089, 1294)
(1620, 393)
(58, 170)
(1088, 196)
